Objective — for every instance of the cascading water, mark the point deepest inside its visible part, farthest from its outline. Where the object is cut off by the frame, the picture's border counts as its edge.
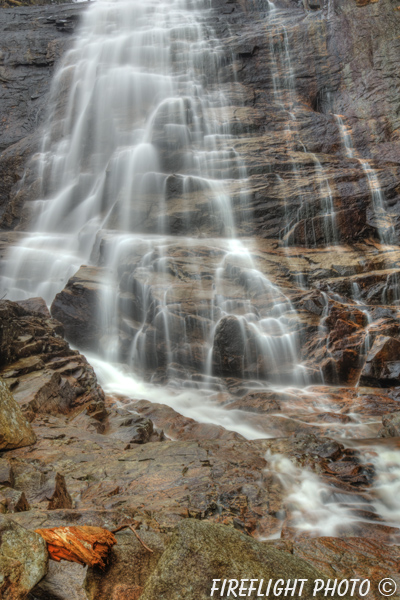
(139, 179)
(137, 166)
(317, 203)
(384, 222)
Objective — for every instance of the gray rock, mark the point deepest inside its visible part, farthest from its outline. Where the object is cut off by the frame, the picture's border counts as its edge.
(23, 560)
(64, 581)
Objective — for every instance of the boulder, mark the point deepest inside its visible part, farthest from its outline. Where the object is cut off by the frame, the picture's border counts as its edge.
(37, 305)
(64, 581)
(351, 557)
(199, 553)
(23, 560)
(15, 431)
(234, 347)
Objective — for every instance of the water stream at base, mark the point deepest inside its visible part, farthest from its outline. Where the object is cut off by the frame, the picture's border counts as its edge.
(138, 175)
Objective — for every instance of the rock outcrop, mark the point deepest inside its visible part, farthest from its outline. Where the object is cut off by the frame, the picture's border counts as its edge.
(44, 374)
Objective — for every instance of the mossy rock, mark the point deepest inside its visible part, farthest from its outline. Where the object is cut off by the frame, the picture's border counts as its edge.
(15, 431)
(200, 552)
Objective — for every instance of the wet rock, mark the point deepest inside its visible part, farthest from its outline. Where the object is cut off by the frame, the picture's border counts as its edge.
(234, 347)
(258, 402)
(128, 569)
(382, 367)
(23, 560)
(202, 552)
(46, 376)
(351, 557)
(178, 427)
(338, 346)
(37, 305)
(132, 429)
(15, 431)
(391, 425)
(76, 307)
(29, 49)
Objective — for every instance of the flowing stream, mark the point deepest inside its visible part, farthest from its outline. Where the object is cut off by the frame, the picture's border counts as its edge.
(139, 178)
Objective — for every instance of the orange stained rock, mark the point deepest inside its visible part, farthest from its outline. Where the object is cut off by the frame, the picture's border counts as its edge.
(84, 545)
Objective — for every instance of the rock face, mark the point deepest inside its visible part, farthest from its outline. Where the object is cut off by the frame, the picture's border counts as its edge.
(23, 560)
(31, 44)
(15, 431)
(77, 307)
(45, 375)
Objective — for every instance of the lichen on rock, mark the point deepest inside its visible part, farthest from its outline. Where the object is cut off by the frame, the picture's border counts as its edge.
(15, 431)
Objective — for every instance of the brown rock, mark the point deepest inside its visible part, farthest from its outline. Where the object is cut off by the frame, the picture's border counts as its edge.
(178, 427)
(45, 374)
(12, 501)
(351, 557)
(36, 305)
(129, 567)
(382, 366)
(202, 552)
(6, 473)
(76, 307)
(391, 425)
(61, 497)
(64, 581)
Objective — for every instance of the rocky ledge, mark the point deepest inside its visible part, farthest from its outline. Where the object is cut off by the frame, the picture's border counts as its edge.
(203, 495)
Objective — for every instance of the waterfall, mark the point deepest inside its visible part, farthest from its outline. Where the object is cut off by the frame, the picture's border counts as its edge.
(141, 182)
(139, 176)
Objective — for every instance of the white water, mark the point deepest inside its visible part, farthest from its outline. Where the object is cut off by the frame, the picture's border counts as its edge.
(321, 206)
(137, 104)
(136, 166)
(384, 222)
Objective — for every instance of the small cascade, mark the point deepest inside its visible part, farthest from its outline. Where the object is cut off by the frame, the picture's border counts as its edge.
(314, 222)
(312, 507)
(383, 219)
